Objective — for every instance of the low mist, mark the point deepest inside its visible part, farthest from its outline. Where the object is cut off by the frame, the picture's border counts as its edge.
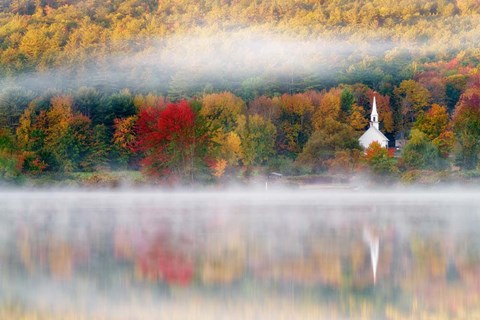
(205, 61)
(145, 255)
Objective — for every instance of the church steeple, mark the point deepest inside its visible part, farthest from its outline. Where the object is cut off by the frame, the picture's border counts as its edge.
(374, 116)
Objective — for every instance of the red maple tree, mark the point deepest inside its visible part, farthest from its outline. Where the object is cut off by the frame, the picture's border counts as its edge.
(175, 140)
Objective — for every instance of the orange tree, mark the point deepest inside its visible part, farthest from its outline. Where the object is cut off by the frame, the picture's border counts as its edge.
(379, 160)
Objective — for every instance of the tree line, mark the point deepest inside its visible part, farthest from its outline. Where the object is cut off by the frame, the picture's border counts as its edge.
(220, 135)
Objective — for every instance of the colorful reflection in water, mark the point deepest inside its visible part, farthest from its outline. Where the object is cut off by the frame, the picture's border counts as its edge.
(279, 255)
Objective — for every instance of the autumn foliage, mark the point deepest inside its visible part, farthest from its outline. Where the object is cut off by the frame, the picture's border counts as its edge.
(379, 160)
(174, 140)
(466, 124)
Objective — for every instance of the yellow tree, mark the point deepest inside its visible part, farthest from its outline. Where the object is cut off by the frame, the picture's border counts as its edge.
(57, 120)
(231, 149)
(222, 109)
(412, 99)
(433, 122)
(258, 139)
(329, 108)
(357, 119)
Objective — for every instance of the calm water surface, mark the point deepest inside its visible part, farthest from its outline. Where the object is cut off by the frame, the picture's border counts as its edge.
(257, 255)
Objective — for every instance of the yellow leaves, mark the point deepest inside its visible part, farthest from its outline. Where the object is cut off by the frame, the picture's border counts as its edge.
(433, 122)
(413, 97)
(34, 43)
(329, 108)
(24, 128)
(233, 143)
(58, 119)
(223, 109)
(231, 149)
(124, 135)
(258, 138)
(357, 119)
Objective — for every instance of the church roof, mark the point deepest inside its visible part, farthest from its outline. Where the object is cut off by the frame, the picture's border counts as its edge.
(374, 131)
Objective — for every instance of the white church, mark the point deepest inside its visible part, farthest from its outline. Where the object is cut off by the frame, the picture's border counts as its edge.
(373, 133)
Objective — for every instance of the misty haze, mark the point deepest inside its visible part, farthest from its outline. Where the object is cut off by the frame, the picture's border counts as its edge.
(237, 255)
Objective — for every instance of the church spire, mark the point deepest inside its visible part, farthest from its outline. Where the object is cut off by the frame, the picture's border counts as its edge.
(374, 115)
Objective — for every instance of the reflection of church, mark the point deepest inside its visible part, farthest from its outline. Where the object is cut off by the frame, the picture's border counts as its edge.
(373, 133)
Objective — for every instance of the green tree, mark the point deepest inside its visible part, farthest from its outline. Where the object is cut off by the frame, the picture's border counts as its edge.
(325, 143)
(100, 149)
(118, 105)
(10, 160)
(347, 99)
(420, 152)
(12, 103)
(75, 145)
(257, 137)
(88, 102)
(456, 84)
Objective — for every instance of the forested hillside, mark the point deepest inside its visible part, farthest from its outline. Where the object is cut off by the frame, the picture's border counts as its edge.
(41, 34)
(285, 85)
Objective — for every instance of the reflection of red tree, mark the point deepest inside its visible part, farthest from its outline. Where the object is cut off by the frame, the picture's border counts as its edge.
(165, 263)
(157, 254)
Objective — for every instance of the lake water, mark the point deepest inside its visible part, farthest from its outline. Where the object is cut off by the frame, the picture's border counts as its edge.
(240, 255)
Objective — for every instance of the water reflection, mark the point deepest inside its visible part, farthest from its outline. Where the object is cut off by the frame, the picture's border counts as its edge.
(245, 256)
(374, 244)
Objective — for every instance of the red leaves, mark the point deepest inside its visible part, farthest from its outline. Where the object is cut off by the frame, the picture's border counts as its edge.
(468, 106)
(165, 136)
(156, 127)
